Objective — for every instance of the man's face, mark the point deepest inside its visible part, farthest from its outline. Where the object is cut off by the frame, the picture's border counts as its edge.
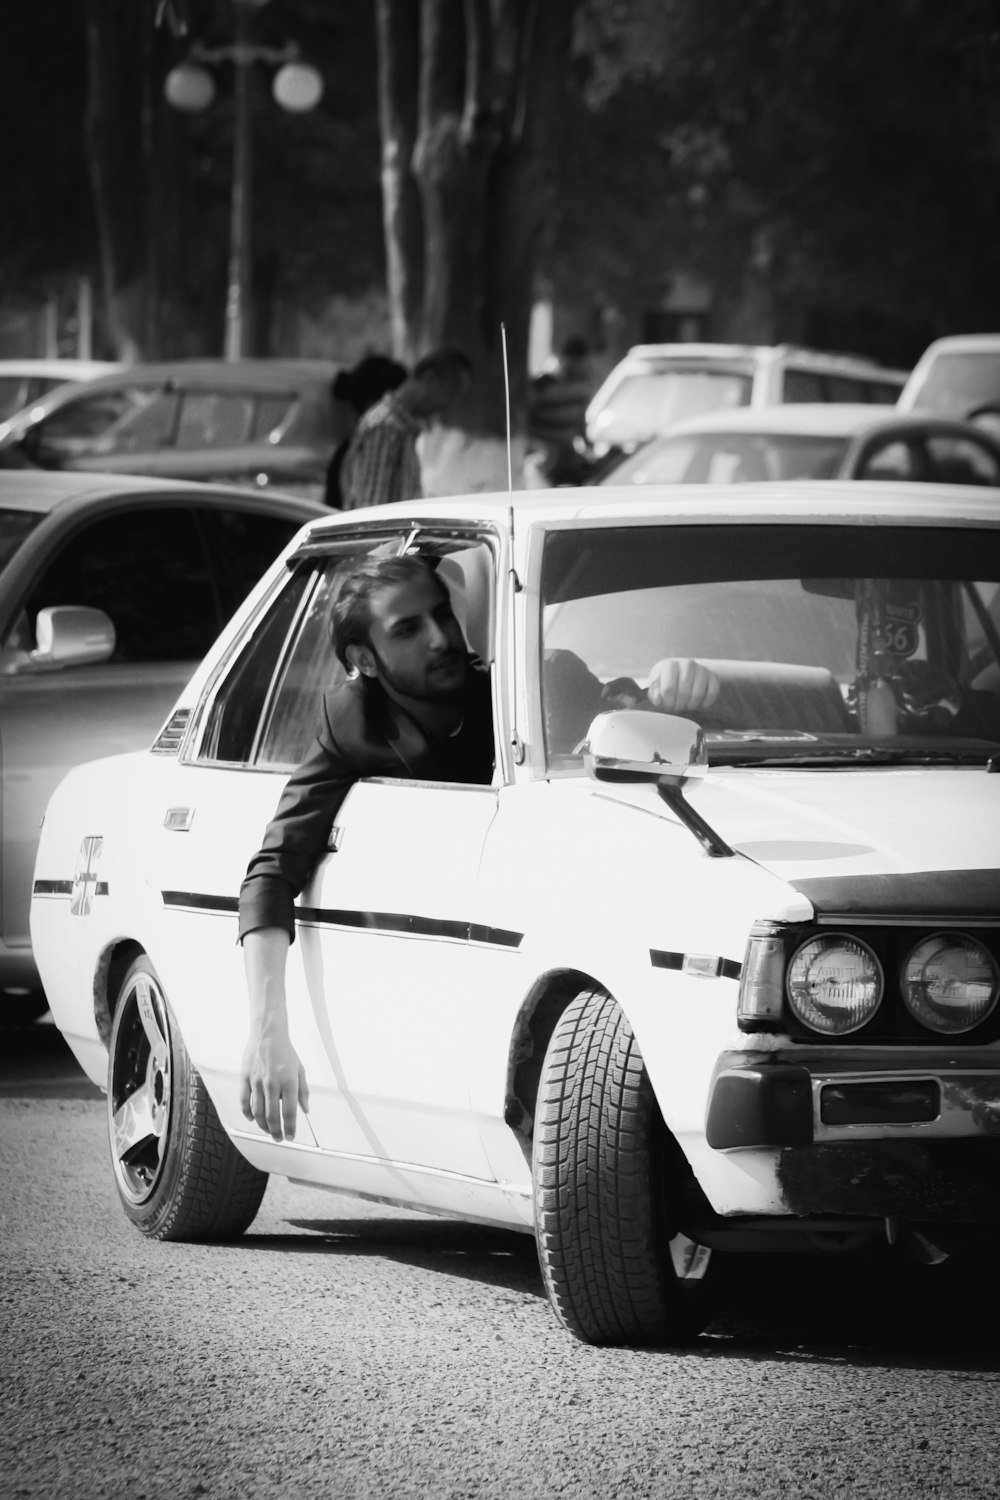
(415, 644)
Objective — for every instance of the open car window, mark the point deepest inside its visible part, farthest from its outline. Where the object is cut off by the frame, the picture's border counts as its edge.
(265, 710)
(807, 630)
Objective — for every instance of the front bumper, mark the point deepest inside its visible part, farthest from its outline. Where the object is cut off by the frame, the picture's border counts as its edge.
(872, 1137)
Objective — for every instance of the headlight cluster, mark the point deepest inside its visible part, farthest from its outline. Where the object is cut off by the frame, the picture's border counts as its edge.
(834, 982)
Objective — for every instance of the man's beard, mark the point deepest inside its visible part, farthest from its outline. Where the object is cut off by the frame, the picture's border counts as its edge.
(426, 691)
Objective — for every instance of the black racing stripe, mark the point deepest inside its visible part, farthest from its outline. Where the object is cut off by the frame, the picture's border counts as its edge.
(370, 921)
(412, 926)
(64, 888)
(663, 959)
(198, 902)
(948, 895)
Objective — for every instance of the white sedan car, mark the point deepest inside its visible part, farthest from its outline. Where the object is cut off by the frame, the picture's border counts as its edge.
(814, 441)
(666, 989)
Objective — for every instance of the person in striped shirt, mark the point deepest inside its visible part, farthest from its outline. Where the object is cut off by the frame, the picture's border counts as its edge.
(382, 464)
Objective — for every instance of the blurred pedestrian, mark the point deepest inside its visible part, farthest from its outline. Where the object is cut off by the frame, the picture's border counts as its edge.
(358, 389)
(557, 408)
(382, 463)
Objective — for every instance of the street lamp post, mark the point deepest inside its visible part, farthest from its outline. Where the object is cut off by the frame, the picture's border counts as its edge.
(297, 87)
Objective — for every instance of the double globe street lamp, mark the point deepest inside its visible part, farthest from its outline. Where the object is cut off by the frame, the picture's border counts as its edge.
(296, 86)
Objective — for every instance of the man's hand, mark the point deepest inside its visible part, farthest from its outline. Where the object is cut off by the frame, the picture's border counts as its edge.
(680, 685)
(273, 1085)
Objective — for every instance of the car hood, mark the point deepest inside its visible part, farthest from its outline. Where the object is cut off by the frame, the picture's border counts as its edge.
(870, 837)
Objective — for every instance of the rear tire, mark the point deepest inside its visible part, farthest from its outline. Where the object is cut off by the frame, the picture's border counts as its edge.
(607, 1186)
(178, 1175)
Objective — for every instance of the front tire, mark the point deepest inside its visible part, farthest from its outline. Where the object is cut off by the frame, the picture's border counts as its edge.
(607, 1186)
(178, 1175)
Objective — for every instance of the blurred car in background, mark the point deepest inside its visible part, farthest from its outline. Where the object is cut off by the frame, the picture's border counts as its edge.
(814, 442)
(111, 590)
(263, 422)
(24, 380)
(957, 376)
(656, 385)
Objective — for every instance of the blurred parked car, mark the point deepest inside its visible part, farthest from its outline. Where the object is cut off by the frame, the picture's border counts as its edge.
(670, 988)
(957, 376)
(264, 422)
(814, 442)
(111, 590)
(656, 385)
(24, 380)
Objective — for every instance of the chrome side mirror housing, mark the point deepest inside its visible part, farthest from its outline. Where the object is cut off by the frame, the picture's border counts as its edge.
(70, 635)
(634, 744)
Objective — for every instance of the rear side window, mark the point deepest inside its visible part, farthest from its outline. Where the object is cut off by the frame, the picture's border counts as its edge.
(147, 569)
(272, 414)
(213, 419)
(960, 460)
(802, 385)
(118, 419)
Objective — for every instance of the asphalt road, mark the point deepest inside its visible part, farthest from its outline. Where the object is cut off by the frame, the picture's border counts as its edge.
(347, 1349)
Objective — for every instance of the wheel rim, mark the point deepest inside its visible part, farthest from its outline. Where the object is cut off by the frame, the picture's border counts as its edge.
(139, 1097)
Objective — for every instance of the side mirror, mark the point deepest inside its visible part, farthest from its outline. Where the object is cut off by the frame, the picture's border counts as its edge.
(70, 635)
(634, 744)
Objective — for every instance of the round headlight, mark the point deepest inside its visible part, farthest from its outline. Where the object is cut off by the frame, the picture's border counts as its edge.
(834, 983)
(950, 982)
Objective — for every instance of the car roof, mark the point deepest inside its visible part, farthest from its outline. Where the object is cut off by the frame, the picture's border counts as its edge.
(967, 343)
(761, 352)
(244, 374)
(819, 418)
(47, 490)
(807, 501)
(60, 369)
(239, 372)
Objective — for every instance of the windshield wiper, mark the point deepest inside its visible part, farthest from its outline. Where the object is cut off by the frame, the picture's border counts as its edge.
(870, 755)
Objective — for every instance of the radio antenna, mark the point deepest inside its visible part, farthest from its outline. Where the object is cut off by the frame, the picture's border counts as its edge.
(506, 388)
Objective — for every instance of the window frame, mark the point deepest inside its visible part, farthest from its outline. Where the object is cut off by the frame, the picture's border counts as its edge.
(315, 554)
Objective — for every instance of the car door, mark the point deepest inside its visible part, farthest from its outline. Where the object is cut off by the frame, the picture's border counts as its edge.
(390, 940)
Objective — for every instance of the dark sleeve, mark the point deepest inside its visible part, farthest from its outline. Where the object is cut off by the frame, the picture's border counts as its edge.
(297, 835)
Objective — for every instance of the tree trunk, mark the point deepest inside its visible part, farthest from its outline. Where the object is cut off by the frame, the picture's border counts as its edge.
(115, 31)
(156, 277)
(472, 98)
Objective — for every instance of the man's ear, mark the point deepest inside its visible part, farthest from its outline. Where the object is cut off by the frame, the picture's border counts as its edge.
(362, 660)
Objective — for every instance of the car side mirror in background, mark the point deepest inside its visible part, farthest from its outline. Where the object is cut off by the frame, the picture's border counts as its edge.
(636, 745)
(69, 635)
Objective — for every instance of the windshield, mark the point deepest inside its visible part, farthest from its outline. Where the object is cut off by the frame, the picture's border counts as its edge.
(822, 640)
(645, 404)
(14, 527)
(730, 458)
(957, 384)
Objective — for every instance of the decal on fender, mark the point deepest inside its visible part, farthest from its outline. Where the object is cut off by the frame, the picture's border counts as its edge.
(85, 883)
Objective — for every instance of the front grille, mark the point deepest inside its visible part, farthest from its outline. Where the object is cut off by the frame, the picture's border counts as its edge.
(171, 736)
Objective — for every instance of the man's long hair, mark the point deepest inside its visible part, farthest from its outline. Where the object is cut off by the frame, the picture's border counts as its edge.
(350, 613)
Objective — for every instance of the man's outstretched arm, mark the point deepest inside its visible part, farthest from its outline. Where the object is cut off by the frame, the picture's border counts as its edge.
(272, 1079)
